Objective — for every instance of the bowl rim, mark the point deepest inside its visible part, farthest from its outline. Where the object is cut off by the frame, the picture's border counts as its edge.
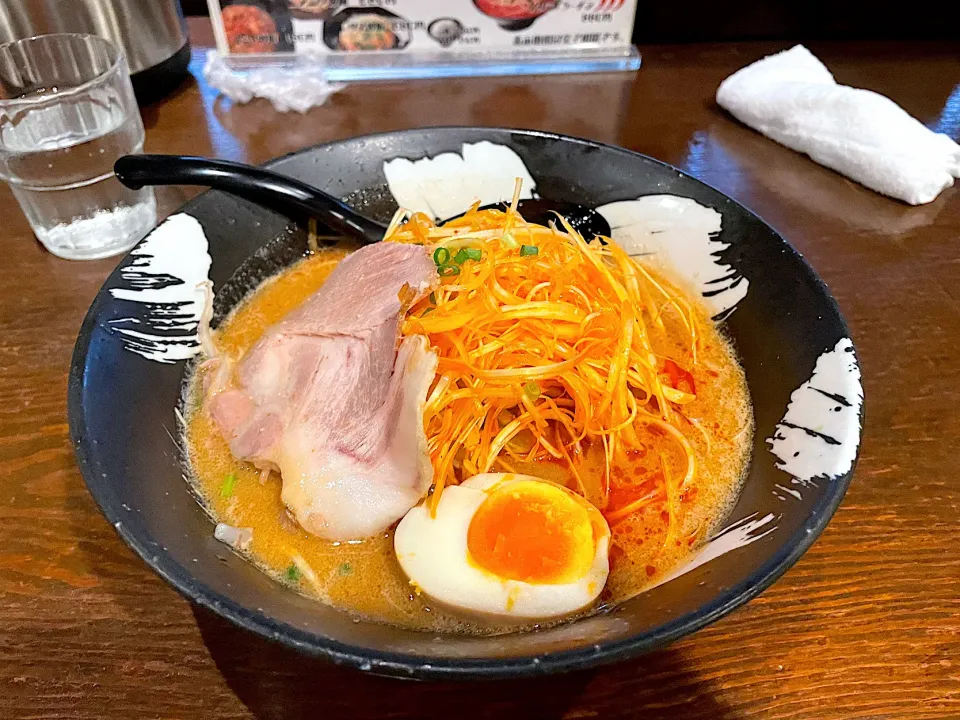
(408, 665)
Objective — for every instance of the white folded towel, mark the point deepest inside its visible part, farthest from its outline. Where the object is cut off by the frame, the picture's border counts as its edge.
(792, 98)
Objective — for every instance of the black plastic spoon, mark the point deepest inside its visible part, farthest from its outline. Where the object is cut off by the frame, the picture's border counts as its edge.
(273, 191)
(299, 200)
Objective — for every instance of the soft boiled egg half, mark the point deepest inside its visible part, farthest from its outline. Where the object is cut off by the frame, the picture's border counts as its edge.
(506, 545)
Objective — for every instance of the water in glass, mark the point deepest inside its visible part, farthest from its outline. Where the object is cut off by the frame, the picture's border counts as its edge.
(57, 149)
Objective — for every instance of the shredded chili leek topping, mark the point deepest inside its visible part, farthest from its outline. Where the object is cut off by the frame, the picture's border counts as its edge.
(545, 346)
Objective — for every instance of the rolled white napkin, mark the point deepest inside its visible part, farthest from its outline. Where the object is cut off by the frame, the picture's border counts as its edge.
(792, 98)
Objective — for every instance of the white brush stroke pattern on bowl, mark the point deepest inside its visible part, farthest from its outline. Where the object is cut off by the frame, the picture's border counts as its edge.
(820, 432)
(167, 276)
(448, 184)
(817, 438)
(679, 235)
(733, 537)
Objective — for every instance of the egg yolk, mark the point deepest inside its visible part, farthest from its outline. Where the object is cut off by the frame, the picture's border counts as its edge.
(532, 532)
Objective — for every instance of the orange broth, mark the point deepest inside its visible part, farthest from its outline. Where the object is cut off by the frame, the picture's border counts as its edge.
(364, 578)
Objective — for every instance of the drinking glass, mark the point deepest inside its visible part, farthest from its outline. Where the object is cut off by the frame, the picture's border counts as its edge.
(67, 112)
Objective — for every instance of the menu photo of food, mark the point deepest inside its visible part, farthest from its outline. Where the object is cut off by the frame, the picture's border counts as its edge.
(515, 14)
(255, 26)
(365, 29)
(449, 27)
(313, 9)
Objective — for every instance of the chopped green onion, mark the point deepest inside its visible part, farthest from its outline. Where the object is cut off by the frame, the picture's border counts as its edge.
(509, 241)
(532, 390)
(465, 254)
(433, 298)
(529, 250)
(345, 569)
(229, 483)
(441, 256)
(448, 270)
(293, 574)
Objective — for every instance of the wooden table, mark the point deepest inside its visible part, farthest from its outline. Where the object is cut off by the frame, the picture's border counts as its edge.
(866, 625)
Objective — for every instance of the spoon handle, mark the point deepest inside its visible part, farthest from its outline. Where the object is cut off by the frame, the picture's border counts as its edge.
(273, 191)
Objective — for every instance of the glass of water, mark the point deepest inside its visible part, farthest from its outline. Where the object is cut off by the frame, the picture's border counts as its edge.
(67, 112)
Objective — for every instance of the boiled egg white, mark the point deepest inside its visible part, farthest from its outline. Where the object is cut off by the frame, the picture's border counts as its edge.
(507, 546)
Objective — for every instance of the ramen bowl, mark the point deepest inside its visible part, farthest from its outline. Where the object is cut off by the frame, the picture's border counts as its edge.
(135, 352)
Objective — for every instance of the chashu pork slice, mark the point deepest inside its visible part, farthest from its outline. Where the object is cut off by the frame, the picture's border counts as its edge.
(326, 398)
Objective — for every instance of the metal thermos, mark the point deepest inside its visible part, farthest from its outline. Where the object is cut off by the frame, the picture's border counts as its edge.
(152, 33)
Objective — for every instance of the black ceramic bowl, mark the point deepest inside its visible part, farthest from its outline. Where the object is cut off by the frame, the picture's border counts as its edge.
(793, 343)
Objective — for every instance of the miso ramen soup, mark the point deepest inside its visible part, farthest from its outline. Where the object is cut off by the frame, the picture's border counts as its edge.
(661, 488)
